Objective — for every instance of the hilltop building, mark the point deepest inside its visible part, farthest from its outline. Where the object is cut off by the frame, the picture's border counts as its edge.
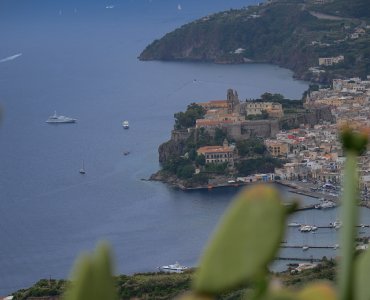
(274, 110)
(218, 154)
(230, 116)
(329, 61)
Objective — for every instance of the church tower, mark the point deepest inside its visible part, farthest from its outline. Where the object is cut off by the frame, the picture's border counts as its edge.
(233, 102)
(230, 101)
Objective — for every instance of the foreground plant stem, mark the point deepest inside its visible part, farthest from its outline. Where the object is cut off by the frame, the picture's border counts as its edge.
(348, 232)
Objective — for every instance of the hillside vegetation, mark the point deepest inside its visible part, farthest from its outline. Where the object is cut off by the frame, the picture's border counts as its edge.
(293, 34)
(166, 285)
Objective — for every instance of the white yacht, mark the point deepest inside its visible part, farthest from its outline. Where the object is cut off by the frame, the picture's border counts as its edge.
(60, 119)
(125, 124)
(294, 224)
(176, 267)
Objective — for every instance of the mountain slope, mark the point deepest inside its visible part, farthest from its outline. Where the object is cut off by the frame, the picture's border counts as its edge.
(287, 33)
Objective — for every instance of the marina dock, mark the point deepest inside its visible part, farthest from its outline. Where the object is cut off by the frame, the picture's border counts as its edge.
(309, 247)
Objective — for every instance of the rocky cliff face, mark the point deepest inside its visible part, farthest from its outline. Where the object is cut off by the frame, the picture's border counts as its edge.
(170, 149)
(174, 147)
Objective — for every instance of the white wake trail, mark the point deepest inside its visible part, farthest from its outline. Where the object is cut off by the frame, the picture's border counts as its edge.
(10, 57)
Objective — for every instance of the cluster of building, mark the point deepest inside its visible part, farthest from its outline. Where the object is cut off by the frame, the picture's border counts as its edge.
(312, 151)
(315, 152)
(230, 116)
(232, 110)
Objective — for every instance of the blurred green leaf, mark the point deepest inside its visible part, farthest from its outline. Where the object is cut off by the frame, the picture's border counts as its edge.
(349, 212)
(92, 277)
(317, 291)
(244, 243)
(362, 272)
(192, 296)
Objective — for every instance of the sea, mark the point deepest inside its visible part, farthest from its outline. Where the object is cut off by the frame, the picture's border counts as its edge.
(79, 58)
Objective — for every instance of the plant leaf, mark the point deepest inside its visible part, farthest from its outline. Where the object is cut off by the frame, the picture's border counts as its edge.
(361, 282)
(244, 243)
(317, 291)
(92, 277)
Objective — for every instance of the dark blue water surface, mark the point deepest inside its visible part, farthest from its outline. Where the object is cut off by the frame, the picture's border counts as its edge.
(80, 59)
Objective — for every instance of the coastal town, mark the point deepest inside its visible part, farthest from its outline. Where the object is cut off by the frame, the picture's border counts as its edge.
(308, 147)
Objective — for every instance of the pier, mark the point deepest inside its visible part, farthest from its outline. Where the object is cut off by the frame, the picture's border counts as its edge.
(309, 259)
(309, 247)
(333, 227)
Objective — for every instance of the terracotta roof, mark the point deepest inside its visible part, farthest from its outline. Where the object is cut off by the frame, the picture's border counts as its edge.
(214, 103)
(214, 149)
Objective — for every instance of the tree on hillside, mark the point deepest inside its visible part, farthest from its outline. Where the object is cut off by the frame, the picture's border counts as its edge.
(268, 97)
(187, 119)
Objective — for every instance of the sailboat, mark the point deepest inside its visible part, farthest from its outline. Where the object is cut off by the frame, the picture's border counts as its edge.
(82, 170)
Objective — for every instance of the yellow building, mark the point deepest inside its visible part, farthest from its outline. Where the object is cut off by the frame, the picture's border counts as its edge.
(256, 108)
(277, 148)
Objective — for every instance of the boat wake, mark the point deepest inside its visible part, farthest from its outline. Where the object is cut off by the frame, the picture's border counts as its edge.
(9, 58)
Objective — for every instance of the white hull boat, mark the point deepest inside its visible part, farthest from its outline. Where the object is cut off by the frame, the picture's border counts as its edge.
(55, 119)
(125, 124)
(176, 267)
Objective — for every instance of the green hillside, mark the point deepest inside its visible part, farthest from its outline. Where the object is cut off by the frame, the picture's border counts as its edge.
(293, 34)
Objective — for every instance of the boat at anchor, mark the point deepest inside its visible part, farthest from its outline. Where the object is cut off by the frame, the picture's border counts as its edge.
(176, 267)
(125, 124)
(60, 119)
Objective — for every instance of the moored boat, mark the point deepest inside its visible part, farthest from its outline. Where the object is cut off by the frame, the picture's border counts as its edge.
(60, 119)
(176, 267)
(294, 224)
(125, 124)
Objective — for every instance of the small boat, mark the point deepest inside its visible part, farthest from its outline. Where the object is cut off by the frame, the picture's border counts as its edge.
(308, 228)
(294, 224)
(125, 124)
(325, 204)
(305, 228)
(336, 224)
(82, 170)
(126, 152)
(176, 267)
(60, 119)
(305, 248)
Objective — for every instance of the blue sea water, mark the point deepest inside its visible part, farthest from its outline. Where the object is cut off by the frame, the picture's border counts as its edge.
(80, 59)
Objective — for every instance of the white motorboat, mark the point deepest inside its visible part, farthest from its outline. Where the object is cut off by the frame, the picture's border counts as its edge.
(60, 119)
(176, 267)
(294, 224)
(125, 124)
(307, 228)
(305, 248)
